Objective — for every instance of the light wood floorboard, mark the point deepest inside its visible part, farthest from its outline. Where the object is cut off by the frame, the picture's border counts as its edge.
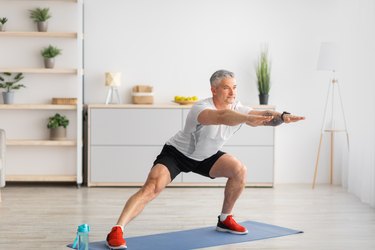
(46, 216)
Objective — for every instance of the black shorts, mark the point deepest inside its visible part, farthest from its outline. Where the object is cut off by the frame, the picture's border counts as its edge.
(176, 162)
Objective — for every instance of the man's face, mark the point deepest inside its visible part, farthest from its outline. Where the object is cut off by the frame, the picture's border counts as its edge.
(226, 92)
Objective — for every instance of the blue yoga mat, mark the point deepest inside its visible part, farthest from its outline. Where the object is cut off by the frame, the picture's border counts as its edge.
(200, 238)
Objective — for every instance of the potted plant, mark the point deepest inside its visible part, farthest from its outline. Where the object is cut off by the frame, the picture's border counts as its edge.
(3, 20)
(49, 53)
(40, 17)
(57, 125)
(263, 74)
(10, 83)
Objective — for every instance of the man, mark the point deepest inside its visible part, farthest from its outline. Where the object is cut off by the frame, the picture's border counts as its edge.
(196, 148)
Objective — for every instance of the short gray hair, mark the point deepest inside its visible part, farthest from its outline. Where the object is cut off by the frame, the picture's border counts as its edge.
(219, 75)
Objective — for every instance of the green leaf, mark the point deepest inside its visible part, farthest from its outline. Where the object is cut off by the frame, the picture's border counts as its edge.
(263, 72)
(57, 121)
(40, 15)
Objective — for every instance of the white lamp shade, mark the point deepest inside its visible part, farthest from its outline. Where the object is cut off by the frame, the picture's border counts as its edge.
(112, 79)
(328, 57)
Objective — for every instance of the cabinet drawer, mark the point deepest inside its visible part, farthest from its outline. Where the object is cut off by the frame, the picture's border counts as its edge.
(258, 160)
(133, 126)
(122, 164)
(248, 135)
(256, 136)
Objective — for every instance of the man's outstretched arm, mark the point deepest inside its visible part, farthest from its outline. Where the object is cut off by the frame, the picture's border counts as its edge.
(231, 118)
(278, 118)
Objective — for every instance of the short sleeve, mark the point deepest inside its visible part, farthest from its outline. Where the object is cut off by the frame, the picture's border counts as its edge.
(241, 108)
(197, 109)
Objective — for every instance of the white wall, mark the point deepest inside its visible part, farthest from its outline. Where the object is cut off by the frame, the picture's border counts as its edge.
(175, 45)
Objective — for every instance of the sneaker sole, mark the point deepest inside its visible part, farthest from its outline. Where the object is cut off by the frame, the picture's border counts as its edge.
(224, 230)
(119, 247)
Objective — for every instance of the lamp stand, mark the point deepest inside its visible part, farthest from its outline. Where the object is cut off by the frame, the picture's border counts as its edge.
(111, 92)
(333, 87)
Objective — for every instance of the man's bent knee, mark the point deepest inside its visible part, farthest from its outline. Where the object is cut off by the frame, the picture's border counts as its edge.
(240, 173)
(151, 190)
(157, 180)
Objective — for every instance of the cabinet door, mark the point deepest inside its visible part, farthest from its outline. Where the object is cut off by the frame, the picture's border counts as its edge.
(122, 164)
(258, 160)
(258, 136)
(248, 135)
(133, 126)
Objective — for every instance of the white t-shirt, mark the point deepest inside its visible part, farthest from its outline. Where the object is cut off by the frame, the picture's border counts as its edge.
(198, 141)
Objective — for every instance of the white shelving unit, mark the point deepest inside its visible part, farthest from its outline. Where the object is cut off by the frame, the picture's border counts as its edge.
(31, 156)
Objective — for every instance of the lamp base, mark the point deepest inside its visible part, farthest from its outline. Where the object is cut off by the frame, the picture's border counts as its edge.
(111, 92)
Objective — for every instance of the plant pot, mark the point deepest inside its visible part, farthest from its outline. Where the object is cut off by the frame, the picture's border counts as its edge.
(263, 99)
(49, 63)
(2, 27)
(42, 26)
(8, 97)
(58, 133)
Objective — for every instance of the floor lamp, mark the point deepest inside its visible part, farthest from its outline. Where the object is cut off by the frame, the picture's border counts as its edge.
(113, 81)
(328, 61)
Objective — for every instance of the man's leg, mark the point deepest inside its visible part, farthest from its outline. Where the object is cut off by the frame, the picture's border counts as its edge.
(157, 180)
(228, 166)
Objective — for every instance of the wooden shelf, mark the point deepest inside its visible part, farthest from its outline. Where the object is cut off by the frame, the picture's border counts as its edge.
(38, 34)
(41, 178)
(37, 107)
(72, 1)
(40, 70)
(334, 130)
(40, 143)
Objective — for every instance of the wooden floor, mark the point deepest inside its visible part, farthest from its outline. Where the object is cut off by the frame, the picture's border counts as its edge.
(46, 217)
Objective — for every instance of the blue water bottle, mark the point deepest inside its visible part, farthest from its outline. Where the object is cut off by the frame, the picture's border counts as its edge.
(82, 239)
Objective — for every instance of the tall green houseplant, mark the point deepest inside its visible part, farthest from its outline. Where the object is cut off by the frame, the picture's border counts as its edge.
(263, 74)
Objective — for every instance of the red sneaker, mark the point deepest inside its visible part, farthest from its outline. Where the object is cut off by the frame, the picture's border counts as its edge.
(230, 225)
(115, 239)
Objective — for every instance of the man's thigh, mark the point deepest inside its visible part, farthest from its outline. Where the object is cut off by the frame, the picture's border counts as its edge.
(226, 166)
(159, 174)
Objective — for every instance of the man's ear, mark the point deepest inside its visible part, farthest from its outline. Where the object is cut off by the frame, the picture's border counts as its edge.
(213, 91)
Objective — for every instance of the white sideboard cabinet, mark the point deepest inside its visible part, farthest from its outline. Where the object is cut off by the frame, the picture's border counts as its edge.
(124, 140)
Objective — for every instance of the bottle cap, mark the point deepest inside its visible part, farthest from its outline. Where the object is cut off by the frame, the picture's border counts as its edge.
(83, 228)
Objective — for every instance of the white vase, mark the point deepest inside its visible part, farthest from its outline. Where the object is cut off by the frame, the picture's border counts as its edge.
(49, 63)
(42, 26)
(8, 97)
(58, 133)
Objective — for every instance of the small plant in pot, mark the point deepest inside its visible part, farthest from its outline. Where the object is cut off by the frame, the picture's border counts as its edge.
(9, 82)
(263, 74)
(57, 125)
(49, 53)
(3, 20)
(40, 17)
